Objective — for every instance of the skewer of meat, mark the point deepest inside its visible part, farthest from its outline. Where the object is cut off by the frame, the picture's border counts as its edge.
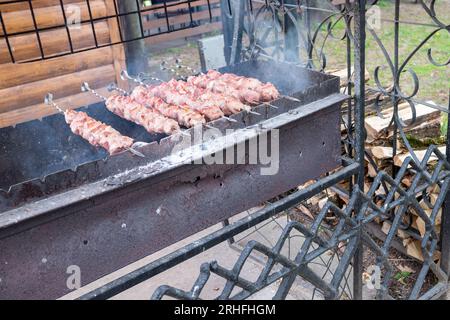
(227, 104)
(183, 115)
(220, 86)
(171, 96)
(234, 92)
(127, 108)
(95, 132)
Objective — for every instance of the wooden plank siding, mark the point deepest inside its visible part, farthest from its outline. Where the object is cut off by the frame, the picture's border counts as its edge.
(24, 85)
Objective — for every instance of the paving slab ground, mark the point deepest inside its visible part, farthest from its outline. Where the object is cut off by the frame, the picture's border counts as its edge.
(184, 275)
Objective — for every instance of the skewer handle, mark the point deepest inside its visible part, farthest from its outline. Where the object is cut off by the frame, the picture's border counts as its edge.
(48, 100)
(124, 75)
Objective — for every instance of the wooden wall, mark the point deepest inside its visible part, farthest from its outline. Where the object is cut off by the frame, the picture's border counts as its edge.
(24, 85)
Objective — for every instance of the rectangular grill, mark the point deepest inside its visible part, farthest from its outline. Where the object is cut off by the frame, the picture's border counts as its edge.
(111, 211)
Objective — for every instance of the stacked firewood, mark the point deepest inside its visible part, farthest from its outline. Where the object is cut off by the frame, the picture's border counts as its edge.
(425, 130)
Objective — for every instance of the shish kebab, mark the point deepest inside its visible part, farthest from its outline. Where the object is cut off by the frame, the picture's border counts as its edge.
(246, 89)
(173, 96)
(95, 132)
(238, 86)
(129, 109)
(212, 105)
(191, 105)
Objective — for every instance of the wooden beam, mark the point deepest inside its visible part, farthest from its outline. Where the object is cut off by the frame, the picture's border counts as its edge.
(36, 4)
(26, 47)
(20, 21)
(41, 110)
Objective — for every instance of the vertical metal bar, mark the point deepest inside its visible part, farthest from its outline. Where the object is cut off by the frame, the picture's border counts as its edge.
(349, 91)
(309, 45)
(360, 41)
(166, 14)
(6, 38)
(396, 76)
(41, 49)
(226, 223)
(349, 77)
(92, 23)
(209, 11)
(61, 3)
(138, 6)
(190, 13)
(233, 30)
(445, 223)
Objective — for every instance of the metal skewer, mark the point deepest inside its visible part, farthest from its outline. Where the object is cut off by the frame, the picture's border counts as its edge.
(113, 87)
(290, 98)
(163, 66)
(179, 66)
(142, 77)
(271, 105)
(48, 100)
(85, 88)
(125, 76)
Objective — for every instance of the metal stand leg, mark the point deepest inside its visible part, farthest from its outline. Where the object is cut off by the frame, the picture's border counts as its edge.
(226, 223)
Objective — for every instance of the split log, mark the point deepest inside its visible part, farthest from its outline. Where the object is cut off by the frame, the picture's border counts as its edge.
(376, 126)
(381, 153)
(420, 154)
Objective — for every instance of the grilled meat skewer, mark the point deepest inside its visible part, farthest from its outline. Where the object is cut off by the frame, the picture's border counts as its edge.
(97, 133)
(228, 104)
(129, 109)
(183, 115)
(267, 90)
(172, 96)
(218, 86)
(247, 90)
